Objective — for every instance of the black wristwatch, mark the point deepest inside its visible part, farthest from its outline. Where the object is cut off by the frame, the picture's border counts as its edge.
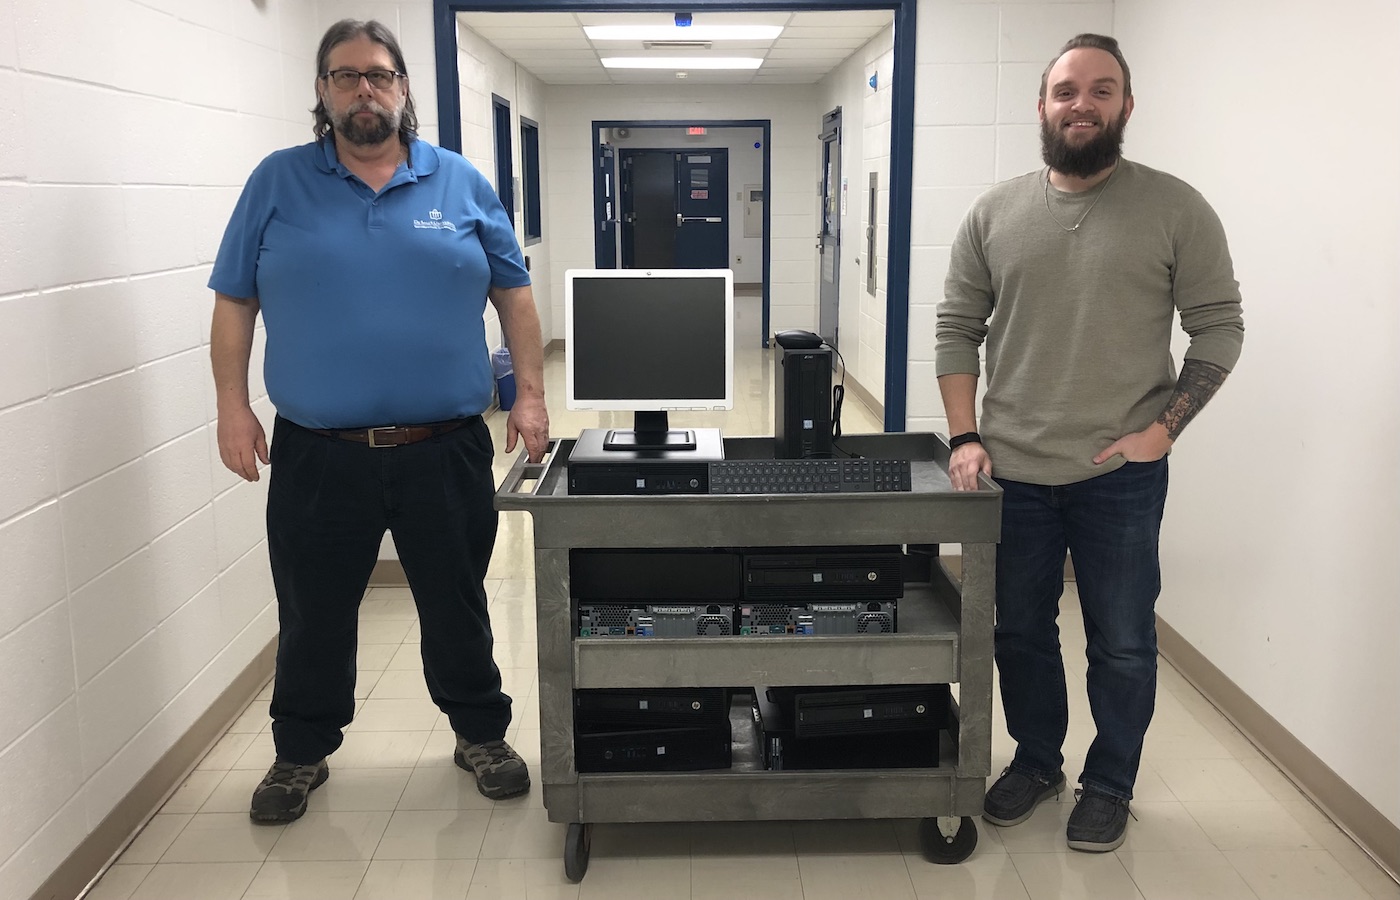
(967, 437)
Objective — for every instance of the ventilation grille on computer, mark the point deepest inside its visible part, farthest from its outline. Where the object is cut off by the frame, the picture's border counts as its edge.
(875, 623)
(764, 615)
(713, 625)
(611, 616)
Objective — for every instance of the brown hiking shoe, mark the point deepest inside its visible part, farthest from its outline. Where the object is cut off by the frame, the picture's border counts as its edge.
(499, 770)
(282, 795)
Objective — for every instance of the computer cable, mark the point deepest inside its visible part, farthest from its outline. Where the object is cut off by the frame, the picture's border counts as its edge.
(838, 396)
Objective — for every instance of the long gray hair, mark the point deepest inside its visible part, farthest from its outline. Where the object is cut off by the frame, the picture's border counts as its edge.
(348, 30)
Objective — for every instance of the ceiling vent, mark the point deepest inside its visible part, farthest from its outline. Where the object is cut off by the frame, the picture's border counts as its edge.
(676, 45)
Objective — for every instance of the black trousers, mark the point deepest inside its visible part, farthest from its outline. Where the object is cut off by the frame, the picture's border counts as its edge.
(329, 503)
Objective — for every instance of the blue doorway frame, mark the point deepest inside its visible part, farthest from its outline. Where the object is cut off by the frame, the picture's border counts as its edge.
(901, 134)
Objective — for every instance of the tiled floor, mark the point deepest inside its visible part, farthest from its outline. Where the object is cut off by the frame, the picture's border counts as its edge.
(397, 821)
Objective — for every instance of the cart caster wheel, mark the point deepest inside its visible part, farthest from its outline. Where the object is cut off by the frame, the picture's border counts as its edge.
(946, 841)
(576, 844)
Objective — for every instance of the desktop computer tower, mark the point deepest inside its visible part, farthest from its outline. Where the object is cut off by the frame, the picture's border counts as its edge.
(877, 727)
(652, 730)
(802, 404)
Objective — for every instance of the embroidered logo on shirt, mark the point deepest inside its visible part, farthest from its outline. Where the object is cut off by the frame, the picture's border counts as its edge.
(435, 221)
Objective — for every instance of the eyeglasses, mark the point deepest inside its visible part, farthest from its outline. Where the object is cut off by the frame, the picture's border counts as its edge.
(349, 79)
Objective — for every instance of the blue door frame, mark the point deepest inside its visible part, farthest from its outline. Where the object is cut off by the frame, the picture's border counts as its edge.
(901, 134)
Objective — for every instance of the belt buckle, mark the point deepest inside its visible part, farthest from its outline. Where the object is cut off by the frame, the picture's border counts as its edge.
(385, 428)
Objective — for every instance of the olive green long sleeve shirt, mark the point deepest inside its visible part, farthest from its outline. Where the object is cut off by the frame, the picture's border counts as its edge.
(1078, 324)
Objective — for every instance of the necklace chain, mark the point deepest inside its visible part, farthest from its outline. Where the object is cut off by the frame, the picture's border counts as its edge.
(1092, 204)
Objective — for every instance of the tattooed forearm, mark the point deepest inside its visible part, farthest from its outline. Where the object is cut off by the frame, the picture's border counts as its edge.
(1198, 382)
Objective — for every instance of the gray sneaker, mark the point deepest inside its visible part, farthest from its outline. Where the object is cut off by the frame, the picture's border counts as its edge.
(1016, 795)
(1098, 823)
(282, 795)
(499, 770)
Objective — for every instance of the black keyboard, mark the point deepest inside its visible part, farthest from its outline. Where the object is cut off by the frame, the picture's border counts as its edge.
(808, 476)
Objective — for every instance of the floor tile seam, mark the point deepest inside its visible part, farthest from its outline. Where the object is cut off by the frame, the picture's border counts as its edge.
(476, 857)
(328, 859)
(1313, 841)
(1345, 872)
(1067, 852)
(1142, 889)
(266, 863)
(151, 822)
(265, 857)
(908, 875)
(137, 887)
(156, 866)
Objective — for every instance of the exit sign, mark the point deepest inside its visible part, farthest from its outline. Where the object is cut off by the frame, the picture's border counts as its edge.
(695, 129)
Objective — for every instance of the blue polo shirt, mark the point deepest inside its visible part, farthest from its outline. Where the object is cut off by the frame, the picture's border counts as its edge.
(372, 302)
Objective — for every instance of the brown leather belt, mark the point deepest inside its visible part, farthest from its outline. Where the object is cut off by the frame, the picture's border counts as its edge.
(394, 435)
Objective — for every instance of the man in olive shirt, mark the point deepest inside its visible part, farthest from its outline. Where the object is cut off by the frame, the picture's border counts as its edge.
(1072, 276)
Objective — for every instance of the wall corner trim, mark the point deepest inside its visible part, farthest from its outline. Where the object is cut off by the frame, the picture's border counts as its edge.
(1353, 813)
(113, 834)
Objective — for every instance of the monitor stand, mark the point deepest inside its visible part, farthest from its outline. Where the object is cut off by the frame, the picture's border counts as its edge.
(650, 431)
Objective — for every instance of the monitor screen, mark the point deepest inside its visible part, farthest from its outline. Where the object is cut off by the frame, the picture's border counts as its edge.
(649, 339)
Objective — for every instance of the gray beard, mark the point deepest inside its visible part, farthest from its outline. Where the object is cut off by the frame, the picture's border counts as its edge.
(365, 134)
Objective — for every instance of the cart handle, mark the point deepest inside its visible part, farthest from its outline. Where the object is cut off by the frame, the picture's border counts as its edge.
(523, 470)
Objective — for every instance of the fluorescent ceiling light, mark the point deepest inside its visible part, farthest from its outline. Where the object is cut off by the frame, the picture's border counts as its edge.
(681, 62)
(689, 33)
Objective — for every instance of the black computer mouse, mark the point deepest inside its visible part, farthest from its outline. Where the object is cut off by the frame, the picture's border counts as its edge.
(798, 340)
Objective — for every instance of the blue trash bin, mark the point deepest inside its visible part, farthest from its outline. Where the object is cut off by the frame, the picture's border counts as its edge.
(504, 373)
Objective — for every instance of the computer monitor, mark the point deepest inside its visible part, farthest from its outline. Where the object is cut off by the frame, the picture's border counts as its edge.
(649, 341)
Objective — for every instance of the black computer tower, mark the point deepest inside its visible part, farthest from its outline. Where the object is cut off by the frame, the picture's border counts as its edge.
(846, 742)
(802, 404)
(652, 730)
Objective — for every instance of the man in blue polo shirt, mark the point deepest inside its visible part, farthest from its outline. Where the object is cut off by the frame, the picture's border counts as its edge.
(371, 255)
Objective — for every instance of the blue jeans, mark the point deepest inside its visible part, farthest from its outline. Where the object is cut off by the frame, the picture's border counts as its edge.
(1110, 525)
(329, 503)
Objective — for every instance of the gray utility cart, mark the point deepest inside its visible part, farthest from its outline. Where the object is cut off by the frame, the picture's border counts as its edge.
(944, 636)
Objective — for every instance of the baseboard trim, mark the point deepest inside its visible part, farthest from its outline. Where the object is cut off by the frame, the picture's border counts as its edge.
(1353, 813)
(554, 346)
(105, 842)
(388, 573)
(865, 397)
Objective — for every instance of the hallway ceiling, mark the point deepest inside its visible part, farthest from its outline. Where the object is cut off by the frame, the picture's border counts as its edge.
(554, 48)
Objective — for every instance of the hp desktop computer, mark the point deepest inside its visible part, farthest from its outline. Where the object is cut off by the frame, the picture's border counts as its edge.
(802, 404)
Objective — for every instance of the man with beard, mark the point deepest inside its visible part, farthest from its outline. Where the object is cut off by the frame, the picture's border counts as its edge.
(371, 255)
(1072, 276)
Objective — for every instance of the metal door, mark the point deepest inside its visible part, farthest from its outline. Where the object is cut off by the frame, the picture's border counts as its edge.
(702, 209)
(648, 209)
(829, 238)
(606, 214)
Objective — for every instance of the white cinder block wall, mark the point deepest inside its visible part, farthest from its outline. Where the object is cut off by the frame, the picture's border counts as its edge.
(136, 584)
(136, 580)
(1280, 539)
(977, 79)
(482, 70)
(865, 148)
(1293, 461)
